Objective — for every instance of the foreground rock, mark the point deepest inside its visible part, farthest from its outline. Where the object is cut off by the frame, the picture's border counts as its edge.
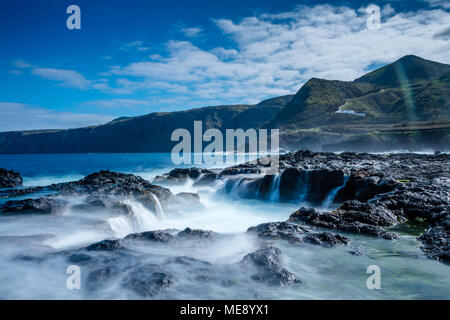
(296, 234)
(148, 281)
(436, 243)
(153, 236)
(44, 205)
(10, 179)
(170, 236)
(345, 221)
(266, 263)
(196, 234)
(181, 176)
(102, 190)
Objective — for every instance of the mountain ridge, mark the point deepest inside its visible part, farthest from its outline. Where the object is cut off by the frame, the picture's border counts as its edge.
(409, 93)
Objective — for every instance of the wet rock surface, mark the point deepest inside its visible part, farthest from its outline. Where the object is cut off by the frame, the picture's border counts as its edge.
(268, 268)
(44, 205)
(153, 236)
(106, 245)
(148, 281)
(376, 192)
(342, 221)
(10, 179)
(296, 234)
(196, 234)
(101, 190)
(181, 176)
(436, 243)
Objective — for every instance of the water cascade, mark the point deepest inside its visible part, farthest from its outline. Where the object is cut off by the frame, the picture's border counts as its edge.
(332, 194)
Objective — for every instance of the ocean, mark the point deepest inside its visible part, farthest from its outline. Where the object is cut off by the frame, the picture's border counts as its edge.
(33, 264)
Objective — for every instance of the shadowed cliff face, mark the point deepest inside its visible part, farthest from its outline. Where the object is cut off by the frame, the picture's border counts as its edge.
(149, 133)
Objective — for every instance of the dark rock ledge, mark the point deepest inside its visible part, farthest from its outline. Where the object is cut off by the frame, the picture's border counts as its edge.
(104, 190)
(10, 179)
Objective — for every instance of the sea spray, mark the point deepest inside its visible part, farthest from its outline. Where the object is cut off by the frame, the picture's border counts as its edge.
(158, 208)
(140, 220)
(121, 226)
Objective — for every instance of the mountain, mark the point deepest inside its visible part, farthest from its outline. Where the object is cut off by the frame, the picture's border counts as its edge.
(404, 104)
(409, 69)
(410, 89)
(409, 96)
(148, 133)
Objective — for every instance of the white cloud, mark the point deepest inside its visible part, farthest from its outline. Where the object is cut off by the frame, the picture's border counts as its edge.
(118, 103)
(275, 54)
(21, 64)
(192, 32)
(66, 78)
(135, 45)
(19, 116)
(269, 55)
(439, 3)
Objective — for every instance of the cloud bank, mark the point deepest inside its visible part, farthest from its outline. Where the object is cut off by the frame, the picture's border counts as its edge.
(274, 54)
(268, 55)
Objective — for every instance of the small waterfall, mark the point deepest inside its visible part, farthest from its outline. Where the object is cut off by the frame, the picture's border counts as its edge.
(332, 194)
(305, 189)
(121, 226)
(235, 187)
(141, 220)
(158, 208)
(275, 189)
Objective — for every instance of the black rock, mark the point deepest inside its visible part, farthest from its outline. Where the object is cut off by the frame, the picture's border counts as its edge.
(339, 221)
(363, 185)
(196, 234)
(370, 213)
(180, 176)
(436, 243)
(98, 277)
(295, 234)
(292, 183)
(154, 236)
(206, 179)
(326, 239)
(279, 230)
(188, 261)
(106, 245)
(267, 264)
(322, 182)
(79, 258)
(148, 281)
(106, 189)
(44, 205)
(10, 179)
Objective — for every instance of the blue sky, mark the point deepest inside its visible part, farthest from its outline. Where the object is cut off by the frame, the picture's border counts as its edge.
(135, 57)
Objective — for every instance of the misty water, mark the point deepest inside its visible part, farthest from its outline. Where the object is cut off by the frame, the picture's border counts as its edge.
(32, 268)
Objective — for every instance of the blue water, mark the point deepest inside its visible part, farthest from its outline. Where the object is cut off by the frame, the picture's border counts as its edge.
(36, 165)
(45, 169)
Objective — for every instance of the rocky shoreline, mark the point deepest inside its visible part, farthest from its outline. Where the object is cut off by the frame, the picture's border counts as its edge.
(374, 195)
